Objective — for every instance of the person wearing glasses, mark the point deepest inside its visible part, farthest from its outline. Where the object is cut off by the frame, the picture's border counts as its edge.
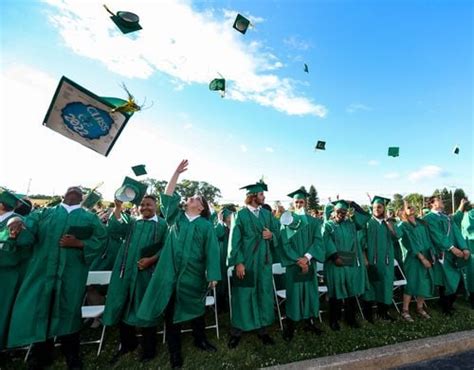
(301, 246)
(451, 249)
(344, 268)
(419, 262)
(187, 270)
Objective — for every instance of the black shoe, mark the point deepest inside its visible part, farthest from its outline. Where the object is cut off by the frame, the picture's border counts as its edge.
(287, 335)
(204, 345)
(74, 363)
(354, 324)
(334, 326)
(116, 357)
(313, 329)
(176, 361)
(266, 340)
(387, 317)
(147, 357)
(233, 341)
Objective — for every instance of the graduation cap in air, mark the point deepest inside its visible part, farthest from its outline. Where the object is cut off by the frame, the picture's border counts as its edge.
(456, 150)
(126, 21)
(321, 145)
(380, 200)
(393, 151)
(131, 191)
(306, 69)
(139, 170)
(218, 84)
(93, 121)
(91, 199)
(241, 24)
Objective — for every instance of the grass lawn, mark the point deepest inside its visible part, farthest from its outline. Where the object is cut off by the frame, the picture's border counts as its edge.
(251, 354)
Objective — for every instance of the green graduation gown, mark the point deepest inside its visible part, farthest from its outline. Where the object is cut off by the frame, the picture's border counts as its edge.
(253, 306)
(188, 262)
(344, 281)
(416, 239)
(466, 221)
(143, 238)
(51, 295)
(11, 259)
(445, 233)
(222, 233)
(378, 243)
(106, 261)
(302, 297)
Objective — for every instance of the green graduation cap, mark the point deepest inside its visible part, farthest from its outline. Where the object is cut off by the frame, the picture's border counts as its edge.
(218, 84)
(131, 191)
(91, 199)
(393, 151)
(321, 145)
(139, 170)
(241, 24)
(456, 150)
(299, 194)
(306, 69)
(126, 21)
(340, 204)
(8, 198)
(380, 200)
(255, 188)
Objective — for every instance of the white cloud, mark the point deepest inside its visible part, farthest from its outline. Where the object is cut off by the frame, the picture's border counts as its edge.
(427, 172)
(392, 175)
(187, 45)
(269, 149)
(243, 148)
(356, 107)
(188, 126)
(373, 162)
(295, 42)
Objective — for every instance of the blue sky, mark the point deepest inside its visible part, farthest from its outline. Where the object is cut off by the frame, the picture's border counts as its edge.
(382, 73)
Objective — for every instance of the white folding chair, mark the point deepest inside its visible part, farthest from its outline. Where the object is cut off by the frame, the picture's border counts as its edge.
(96, 312)
(322, 289)
(229, 275)
(280, 295)
(398, 282)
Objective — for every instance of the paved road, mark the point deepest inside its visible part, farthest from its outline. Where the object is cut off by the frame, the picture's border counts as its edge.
(460, 361)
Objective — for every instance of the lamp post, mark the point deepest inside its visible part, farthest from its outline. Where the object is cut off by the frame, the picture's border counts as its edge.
(452, 196)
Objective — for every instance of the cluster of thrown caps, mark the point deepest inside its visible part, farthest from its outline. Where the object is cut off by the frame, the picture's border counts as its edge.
(128, 22)
(393, 151)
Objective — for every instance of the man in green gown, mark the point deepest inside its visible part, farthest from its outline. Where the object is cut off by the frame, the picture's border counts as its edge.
(131, 274)
(301, 246)
(48, 305)
(379, 235)
(344, 268)
(451, 251)
(465, 219)
(188, 269)
(12, 244)
(253, 236)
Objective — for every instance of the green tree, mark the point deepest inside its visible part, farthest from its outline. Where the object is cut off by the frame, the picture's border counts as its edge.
(313, 200)
(458, 195)
(397, 202)
(415, 199)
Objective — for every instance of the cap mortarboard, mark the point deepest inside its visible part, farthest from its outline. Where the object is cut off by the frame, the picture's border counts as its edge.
(380, 200)
(126, 21)
(340, 204)
(393, 151)
(255, 188)
(8, 198)
(131, 191)
(298, 194)
(241, 24)
(306, 69)
(217, 84)
(91, 199)
(321, 145)
(456, 150)
(139, 170)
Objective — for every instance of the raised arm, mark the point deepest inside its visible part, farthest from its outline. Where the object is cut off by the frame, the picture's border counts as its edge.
(182, 167)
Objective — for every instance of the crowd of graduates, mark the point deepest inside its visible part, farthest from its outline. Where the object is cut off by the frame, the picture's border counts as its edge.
(165, 264)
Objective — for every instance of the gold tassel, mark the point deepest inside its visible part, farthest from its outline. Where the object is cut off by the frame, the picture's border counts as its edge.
(130, 106)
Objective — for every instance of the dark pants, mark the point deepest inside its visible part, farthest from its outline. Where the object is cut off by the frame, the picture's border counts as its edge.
(173, 331)
(129, 340)
(238, 332)
(350, 310)
(42, 352)
(446, 301)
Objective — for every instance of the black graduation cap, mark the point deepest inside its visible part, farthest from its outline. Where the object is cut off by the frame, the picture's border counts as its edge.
(126, 21)
(306, 69)
(456, 150)
(139, 170)
(321, 145)
(393, 151)
(241, 24)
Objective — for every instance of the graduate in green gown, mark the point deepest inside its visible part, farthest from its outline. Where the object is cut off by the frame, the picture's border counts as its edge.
(344, 268)
(144, 238)
(464, 217)
(48, 305)
(187, 270)
(378, 237)
(12, 244)
(301, 246)
(451, 250)
(419, 262)
(253, 235)
(222, 229)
